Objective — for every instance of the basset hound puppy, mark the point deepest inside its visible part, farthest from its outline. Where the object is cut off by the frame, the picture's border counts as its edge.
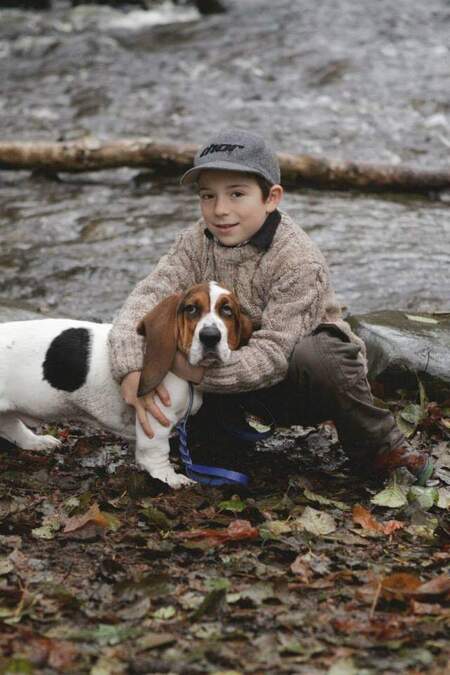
(59, 369)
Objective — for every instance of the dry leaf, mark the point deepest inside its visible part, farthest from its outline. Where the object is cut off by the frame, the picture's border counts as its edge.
(398, 585)
(236, 530)
(363, 517)
(93, 517)
(436, 586)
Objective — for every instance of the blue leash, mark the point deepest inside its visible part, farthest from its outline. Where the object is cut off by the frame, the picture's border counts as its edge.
(212, 475)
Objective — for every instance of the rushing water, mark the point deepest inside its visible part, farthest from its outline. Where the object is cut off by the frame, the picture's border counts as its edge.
(365, 81)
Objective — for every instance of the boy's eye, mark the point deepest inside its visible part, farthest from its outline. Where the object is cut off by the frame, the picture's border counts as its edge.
(237, 194)
(205, 196)
(226, 310)
(190, 310)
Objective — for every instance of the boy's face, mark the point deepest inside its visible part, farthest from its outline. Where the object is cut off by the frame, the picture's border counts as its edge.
(232, 204)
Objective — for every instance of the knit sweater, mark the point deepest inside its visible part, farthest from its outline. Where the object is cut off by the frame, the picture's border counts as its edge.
(280, 278)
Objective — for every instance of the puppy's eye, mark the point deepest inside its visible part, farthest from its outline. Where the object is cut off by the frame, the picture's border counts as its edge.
(226, 310)
(190, 310)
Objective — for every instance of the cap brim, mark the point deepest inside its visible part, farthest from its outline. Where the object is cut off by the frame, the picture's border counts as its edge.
(192, 175)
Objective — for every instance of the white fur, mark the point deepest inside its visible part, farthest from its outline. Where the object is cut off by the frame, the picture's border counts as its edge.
(25, 395)
(223, 352)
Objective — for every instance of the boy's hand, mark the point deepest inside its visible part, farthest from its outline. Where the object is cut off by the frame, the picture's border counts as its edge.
(129, 387)
(182, 368)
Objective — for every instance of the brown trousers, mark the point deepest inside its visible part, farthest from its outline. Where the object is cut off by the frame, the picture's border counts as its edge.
(325, 381)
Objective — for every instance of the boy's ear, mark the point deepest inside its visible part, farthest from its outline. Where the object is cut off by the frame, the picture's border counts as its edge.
(275, 196)
(159, 327)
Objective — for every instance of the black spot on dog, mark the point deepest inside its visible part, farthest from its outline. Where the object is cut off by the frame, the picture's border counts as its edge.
(66, 362)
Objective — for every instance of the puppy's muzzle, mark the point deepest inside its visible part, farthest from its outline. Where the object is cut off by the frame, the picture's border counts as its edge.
(210, 337)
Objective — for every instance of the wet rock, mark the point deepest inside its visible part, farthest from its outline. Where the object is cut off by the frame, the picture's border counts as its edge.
(114, 3)
(210, 6)
(34, 47)
(405, 347)
(26, 4)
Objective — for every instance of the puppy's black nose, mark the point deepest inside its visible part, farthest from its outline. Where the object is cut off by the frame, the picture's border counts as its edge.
(209, 336)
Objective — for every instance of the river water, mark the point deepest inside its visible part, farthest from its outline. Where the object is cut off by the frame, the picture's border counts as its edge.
(367, 81)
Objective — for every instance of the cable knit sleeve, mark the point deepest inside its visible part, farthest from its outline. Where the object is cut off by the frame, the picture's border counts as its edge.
(295, 306)
(176, 271)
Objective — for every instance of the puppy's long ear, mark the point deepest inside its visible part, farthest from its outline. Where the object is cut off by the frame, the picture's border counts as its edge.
(159, 327)
(246, 328)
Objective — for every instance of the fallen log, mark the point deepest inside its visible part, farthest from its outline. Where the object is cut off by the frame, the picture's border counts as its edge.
(297, 170)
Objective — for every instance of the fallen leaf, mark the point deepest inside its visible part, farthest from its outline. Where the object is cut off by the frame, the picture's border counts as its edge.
(398, 585)
(88, 525)
(316, 522)
(235, 504)
(436, 586)
(236, 530)
(344, 666)
(165, 613)
(50, 526)
(277, 527)
(393, 496)
(443, 498)
(154, 640)
(6, 566)
(364, 518)
(424, 496)
(211, 604)
(314, 497)
(422, 608)
(302, 569)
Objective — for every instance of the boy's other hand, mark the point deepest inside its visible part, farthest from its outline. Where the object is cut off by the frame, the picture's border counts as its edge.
(182, 368)
(129, 387)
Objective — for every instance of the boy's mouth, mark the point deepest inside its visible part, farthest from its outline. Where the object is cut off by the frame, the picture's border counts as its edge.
(225, 227)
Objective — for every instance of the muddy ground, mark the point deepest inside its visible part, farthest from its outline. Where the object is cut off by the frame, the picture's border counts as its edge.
(309, 570)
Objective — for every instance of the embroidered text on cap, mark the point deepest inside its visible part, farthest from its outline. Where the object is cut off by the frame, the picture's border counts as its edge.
(222, 147)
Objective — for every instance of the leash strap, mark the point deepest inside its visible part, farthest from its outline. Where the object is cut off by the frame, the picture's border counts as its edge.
(252, 436)
(207, 475)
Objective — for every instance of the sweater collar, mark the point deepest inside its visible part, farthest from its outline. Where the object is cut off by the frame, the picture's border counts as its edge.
(262, 239)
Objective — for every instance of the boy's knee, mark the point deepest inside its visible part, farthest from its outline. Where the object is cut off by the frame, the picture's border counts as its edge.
(327, 358)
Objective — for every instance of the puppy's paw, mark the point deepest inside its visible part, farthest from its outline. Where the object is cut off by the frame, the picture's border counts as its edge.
(172, 479)
(43, 443)
(178, 480)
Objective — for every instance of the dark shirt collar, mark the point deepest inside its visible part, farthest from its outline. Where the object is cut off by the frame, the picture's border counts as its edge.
(262, 239)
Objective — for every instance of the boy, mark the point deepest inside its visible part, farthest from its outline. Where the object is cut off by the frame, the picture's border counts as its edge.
(303, 362)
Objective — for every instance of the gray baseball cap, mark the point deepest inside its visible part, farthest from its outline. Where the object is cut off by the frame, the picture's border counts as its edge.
(235, 150)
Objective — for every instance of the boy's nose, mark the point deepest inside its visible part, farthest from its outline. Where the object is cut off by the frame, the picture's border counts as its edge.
(221, 207)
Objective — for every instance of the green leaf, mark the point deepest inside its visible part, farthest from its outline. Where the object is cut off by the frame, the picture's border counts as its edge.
(156, 517)
(17, 664)
(393, 496)
(316, 522)
(426, 497)
(113, 521)
(412, 413)
(235, 504)
(210, 604)
(165, 613)
(422, 397)
(218, 584)
(405, 427)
